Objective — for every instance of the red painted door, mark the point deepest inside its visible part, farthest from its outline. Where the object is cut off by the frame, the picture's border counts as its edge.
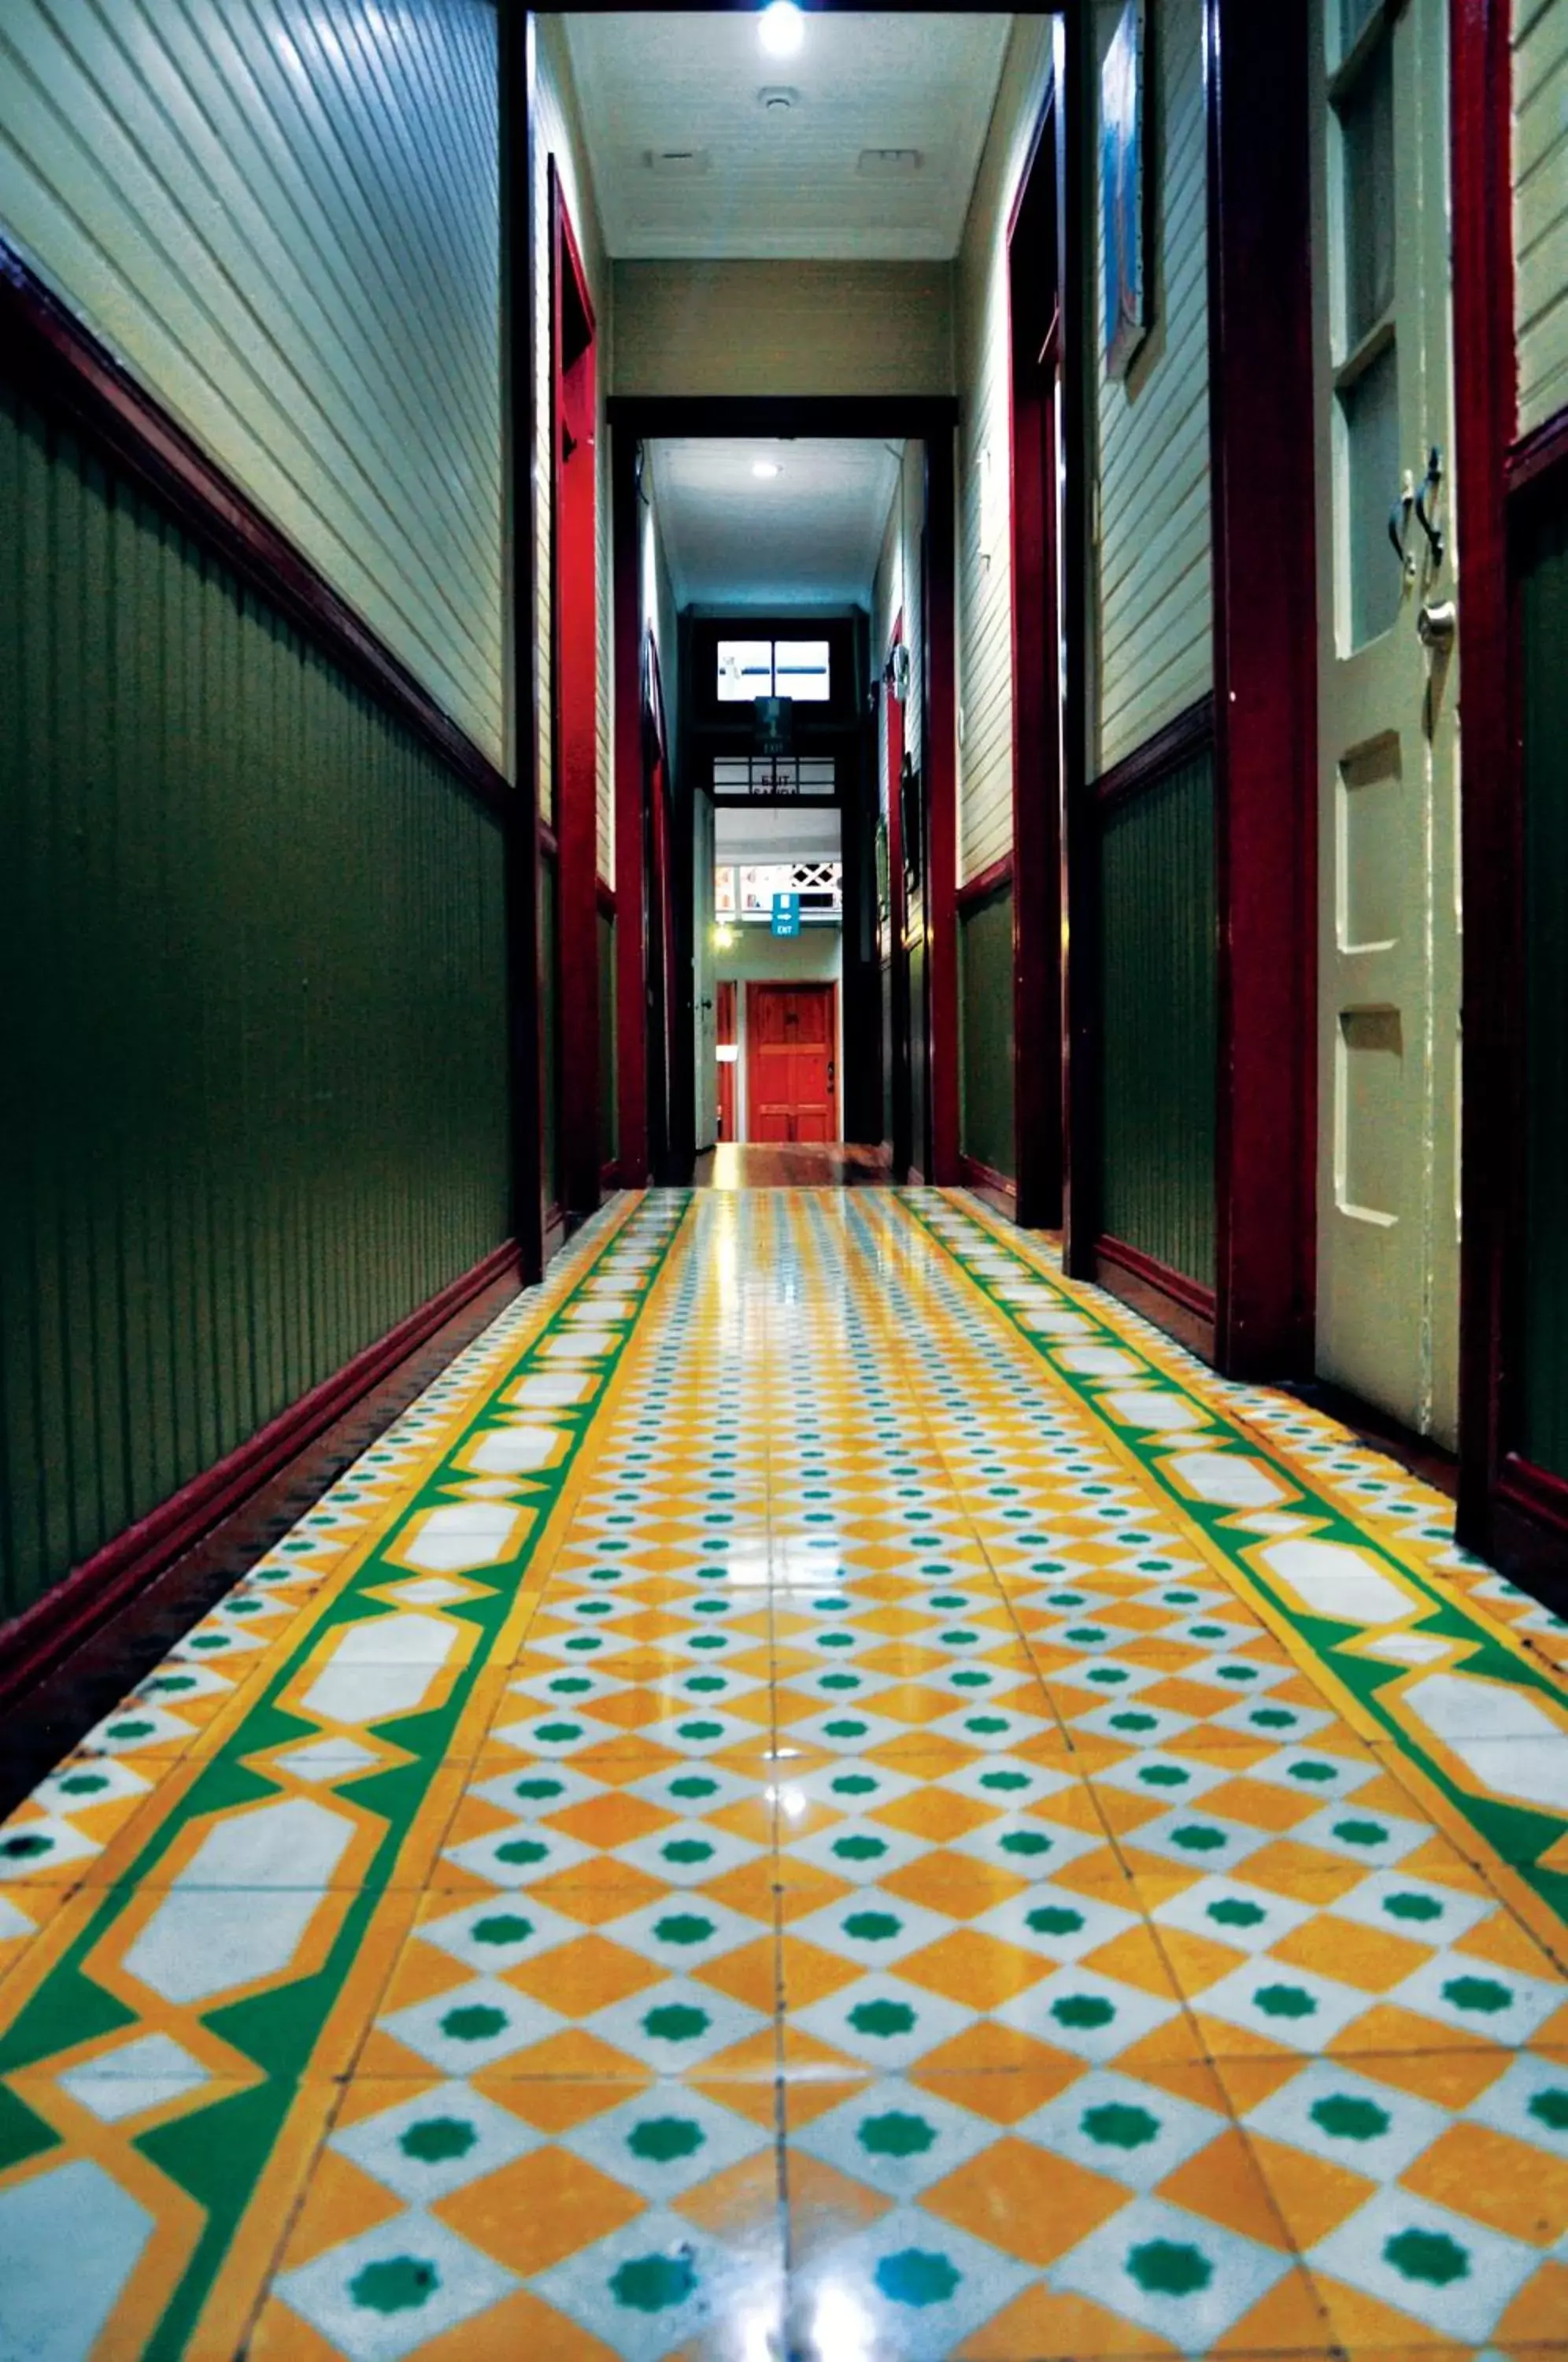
(792, 1075)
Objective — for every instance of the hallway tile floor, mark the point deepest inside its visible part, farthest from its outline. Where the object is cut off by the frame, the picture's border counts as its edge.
(824, 1794)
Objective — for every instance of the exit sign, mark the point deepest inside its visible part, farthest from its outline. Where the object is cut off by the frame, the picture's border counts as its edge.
(786, 914)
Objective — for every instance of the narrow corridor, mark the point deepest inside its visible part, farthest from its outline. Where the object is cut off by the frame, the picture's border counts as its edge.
(822, 1793)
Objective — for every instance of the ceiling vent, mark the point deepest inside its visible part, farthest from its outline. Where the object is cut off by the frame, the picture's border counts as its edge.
(678, 163)
(888, 163)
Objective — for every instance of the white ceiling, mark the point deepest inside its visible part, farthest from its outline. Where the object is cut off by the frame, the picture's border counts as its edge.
(785, 183)
(810, 534)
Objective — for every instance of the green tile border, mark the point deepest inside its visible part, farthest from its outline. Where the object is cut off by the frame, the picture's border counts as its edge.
(1516, 1835)
(216, 2154)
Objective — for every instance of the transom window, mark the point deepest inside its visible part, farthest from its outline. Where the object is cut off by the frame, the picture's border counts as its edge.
(796, 669)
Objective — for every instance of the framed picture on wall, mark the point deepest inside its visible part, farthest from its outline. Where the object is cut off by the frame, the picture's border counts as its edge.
(1121, 188)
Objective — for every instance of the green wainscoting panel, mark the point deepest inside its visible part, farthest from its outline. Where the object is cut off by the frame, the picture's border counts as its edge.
(252, 980)
(918, 1056)
(985, 1018)
(1545, 617)
(608, 1111)
(1159, 1012)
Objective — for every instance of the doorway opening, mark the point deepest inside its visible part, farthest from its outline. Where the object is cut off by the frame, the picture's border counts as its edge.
(767, 557)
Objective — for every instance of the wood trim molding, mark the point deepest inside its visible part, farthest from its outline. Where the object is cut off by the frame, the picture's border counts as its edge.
(976, 1176)
(575, 360)
(914, 417)
(1536, 461)
(1077, 77)
(984, 884)
(1191, 733)
(60, 364)
(631, 809)
(1536, 1491)
(940, 757)
(524, 979)
(1034, 360)
(1173, 1302)
(47, 1632)
(1492, 833)
(1265, 684)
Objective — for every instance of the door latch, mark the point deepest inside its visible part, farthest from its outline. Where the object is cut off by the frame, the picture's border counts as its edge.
(1437, 623)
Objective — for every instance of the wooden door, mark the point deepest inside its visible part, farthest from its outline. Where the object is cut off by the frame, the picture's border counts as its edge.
(1389, 687)
(791, 1068)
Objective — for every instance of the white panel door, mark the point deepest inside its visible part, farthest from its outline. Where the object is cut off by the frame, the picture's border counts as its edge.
(1388, 681)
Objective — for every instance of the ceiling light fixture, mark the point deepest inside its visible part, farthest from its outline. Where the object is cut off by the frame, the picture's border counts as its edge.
(779, 28)
(764, 469)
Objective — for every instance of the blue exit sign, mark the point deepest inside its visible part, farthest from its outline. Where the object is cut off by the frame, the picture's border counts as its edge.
(786, 914)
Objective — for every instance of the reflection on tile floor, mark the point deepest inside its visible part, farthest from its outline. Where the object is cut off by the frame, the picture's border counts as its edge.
(823, 1794)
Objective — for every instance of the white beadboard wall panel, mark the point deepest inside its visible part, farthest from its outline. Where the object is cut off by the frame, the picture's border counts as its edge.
(284, 219)
(783, 327)
(1153, 577)
(558, 138)
(984, 581)
(1540, 207)
(898, 590)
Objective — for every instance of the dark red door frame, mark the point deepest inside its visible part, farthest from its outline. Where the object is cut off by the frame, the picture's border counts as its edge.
(660, 1023)
(939, 761)
(636, 419)
(524, 979)
(632, 722)
(1266, 690)
(901, 1146)
(1509, 1509)
(574, 705)
(1034, 325)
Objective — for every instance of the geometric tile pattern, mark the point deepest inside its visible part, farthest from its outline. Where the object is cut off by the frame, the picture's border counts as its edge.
(819, 1795)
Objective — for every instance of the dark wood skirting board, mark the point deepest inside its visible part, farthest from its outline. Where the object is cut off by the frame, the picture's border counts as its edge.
(60, 364)
(988, 1182)
(1528, 1536)
(42, 1723)
(66, 1617)
(1178, 1305)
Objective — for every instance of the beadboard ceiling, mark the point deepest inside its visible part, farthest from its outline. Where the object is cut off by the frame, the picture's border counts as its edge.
(785, 183)
(812, 533)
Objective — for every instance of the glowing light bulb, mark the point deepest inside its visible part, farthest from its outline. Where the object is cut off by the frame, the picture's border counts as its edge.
(780, 29)
(763, 469)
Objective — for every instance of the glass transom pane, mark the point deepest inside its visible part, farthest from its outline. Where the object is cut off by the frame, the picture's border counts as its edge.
(745, 671)
(1371, 411)
(1366, 155)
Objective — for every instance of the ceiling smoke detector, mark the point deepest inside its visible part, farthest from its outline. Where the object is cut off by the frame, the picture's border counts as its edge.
(777, 100)
(888, 163)
(677, 164)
